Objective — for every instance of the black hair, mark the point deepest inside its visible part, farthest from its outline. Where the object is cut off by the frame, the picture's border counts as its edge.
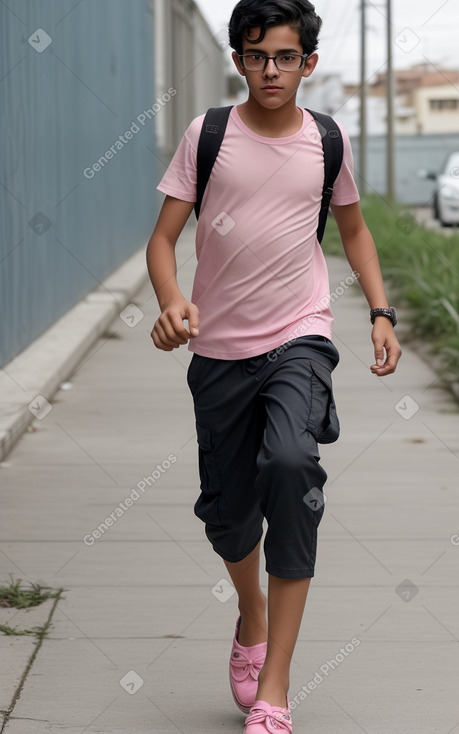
(298, 14)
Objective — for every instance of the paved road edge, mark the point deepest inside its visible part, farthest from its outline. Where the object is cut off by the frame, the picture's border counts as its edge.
(39, 370)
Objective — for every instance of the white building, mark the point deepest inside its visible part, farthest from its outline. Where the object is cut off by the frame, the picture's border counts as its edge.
(329, 94)
(437, 109)
(189, 59)
(427, 102)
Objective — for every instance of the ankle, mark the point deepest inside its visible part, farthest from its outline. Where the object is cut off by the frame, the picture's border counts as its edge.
(273, 688)
(274, 678)
(253, 628)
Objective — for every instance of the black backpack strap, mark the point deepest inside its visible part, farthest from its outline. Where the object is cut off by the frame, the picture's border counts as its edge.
(212, 134)
(332, 142)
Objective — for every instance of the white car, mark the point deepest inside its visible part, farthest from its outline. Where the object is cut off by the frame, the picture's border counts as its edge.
(446, 195)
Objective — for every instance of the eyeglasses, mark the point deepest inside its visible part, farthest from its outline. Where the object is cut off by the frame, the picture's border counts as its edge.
(284, 62)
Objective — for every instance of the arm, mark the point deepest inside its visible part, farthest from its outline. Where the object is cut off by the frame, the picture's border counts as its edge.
(169, 332)
(363, 258)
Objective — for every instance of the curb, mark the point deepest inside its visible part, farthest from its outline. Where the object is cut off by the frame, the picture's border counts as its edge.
(435, 363)
(32, 378)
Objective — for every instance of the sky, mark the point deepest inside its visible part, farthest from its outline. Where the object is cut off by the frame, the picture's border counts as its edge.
(423, 31)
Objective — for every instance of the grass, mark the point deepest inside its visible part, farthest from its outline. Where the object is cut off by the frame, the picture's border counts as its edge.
(16, 596)
(13, 595)
(421, 271)
(10, 631)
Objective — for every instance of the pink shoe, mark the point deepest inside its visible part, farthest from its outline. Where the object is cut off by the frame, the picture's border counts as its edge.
(264, 719)
(245, 665)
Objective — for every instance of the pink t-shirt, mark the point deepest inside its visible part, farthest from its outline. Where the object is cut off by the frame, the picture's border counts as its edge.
(261, 278)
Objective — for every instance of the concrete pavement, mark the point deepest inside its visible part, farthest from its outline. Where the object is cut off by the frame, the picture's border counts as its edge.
(35, 374)
(140, 640)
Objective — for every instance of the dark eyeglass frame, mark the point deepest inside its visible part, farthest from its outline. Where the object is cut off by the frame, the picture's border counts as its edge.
(301, 57)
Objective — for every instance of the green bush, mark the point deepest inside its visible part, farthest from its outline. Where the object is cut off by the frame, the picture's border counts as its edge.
(421, 271)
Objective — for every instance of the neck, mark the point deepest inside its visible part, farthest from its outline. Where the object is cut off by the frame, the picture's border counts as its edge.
(284, 121)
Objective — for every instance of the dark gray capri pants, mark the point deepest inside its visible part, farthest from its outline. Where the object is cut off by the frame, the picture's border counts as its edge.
(258, 423)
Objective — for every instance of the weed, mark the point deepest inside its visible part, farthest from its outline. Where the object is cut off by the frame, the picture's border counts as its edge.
(14, 595)
(10, 631)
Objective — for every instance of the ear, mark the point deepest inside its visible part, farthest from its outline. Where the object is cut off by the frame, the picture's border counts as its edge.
(237, 63)
(310, 65)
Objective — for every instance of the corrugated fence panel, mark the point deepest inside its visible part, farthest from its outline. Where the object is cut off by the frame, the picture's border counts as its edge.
(413, 152)
(74, 79)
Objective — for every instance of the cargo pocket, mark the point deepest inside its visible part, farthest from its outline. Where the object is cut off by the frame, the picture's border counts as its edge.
(323, 419)
(206, 507)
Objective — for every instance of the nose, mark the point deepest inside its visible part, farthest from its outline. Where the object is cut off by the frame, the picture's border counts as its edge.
(271, 69)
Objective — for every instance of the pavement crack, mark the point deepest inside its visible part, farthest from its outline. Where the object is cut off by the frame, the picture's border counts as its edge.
(20, 686)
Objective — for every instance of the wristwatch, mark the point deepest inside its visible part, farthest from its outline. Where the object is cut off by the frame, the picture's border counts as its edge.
(389, 313)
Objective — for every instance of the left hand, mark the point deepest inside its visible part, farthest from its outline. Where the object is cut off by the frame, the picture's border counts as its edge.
(387, 348)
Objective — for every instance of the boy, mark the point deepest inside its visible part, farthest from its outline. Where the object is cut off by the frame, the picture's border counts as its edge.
(263, 400)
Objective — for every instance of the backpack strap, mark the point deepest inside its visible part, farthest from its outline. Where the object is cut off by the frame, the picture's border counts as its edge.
(332, 142)
(211, 138)
(212, 134)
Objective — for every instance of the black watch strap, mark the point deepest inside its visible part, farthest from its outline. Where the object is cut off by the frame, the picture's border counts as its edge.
(389, 313)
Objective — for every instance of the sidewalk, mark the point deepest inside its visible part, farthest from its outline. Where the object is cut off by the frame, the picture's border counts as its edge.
(140, 640)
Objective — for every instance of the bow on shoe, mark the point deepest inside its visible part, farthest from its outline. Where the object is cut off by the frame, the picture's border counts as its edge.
(242, 667)
(274, 722)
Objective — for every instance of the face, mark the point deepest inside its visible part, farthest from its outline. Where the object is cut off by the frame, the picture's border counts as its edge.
(273, 88)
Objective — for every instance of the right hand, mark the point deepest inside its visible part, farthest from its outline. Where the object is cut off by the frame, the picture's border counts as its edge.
(169, 332)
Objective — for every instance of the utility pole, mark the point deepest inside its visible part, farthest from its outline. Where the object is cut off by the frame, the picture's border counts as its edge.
(390, 108)
(363, 100)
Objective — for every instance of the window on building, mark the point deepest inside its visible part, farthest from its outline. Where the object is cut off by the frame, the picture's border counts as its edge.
(444, 104)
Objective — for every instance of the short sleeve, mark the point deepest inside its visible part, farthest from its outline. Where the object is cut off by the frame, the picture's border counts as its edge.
(180, 178)
(345, 190)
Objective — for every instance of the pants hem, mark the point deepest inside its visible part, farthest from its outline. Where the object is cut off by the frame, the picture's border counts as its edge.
(285, 573)
(238, 558)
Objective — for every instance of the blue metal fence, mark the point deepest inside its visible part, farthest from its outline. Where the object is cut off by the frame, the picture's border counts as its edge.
(77, 168)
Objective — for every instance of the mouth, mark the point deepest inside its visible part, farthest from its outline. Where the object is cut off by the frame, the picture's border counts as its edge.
(271, 88)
